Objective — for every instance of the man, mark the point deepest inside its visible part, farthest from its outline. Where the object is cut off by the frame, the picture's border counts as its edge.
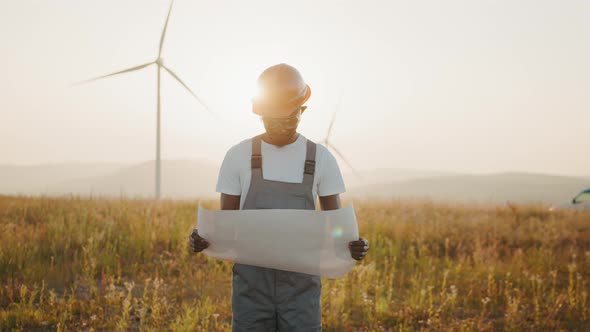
(279, 169)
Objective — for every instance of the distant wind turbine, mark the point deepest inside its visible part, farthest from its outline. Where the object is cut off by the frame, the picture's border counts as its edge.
(160, 64)
(326, 142)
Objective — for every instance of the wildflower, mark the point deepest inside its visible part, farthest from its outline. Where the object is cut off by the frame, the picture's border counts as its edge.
(453, 291)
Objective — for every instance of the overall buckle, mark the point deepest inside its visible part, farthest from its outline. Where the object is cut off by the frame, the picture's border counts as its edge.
(309, 167)
(256, 161)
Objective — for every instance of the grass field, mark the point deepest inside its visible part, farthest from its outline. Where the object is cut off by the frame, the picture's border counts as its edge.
(96, 264)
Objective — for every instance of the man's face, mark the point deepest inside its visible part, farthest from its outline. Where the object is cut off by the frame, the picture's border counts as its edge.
(281, 130)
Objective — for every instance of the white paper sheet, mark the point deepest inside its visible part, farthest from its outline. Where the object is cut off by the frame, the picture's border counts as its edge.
(307, 241)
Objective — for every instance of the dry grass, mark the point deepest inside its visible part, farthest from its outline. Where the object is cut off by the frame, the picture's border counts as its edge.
(83, 264)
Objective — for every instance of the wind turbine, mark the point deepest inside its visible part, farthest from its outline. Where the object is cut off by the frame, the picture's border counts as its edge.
(330, 146)
(159, 62)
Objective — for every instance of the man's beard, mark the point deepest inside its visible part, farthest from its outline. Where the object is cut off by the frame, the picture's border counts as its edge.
(281, 138)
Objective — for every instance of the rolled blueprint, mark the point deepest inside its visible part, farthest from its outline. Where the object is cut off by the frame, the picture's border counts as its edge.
(306, 241)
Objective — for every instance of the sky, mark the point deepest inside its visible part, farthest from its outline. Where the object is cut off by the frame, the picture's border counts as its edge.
(462, 86)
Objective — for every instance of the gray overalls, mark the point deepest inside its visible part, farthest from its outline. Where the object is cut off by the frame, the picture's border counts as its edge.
(265, 299)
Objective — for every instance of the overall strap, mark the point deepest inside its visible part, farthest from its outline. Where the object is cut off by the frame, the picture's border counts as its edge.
(309, 167)
(256, 158)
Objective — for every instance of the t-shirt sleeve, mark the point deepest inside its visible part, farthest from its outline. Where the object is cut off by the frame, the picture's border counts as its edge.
(330, 181)
(228, 181)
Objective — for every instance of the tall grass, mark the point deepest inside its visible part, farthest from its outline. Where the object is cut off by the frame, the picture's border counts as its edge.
(98, 264)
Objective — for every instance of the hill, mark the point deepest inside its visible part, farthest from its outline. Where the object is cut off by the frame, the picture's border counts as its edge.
(180, 179)
(184, 179)
(502, 187)
(21, 179)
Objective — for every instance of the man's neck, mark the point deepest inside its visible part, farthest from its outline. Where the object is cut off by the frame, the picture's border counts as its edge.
(267, 139)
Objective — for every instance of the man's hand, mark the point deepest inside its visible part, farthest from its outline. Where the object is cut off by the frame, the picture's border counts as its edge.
(197, 243)
(359, 248)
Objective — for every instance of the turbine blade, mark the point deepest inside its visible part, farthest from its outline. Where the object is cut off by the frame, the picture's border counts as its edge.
(164, 30)
(189, 90)
(336, 109)
(331, 125)
(338, 101)
(343, 159)
(115, 73)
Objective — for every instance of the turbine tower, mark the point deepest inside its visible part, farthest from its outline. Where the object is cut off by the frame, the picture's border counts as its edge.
(159, 62)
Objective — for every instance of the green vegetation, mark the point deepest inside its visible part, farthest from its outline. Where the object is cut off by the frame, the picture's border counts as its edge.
(98, 264)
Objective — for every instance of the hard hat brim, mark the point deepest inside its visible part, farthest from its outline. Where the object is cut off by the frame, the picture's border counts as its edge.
(282, 110)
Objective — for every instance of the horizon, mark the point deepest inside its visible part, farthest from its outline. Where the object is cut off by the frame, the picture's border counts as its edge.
(343, 171)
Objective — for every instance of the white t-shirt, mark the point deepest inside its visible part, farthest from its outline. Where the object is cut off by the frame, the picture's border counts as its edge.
(284, 164)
